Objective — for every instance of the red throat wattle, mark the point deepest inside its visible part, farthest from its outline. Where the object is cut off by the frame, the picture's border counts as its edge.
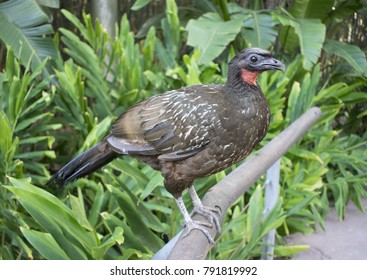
(249, 76)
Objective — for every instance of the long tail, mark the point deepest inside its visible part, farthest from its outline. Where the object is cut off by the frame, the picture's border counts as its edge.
(84, 164)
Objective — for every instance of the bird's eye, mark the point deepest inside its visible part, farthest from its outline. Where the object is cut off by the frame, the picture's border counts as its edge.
(253, 59)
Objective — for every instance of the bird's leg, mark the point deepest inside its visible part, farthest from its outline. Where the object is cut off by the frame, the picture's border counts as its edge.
(212, 214)
(191, 224)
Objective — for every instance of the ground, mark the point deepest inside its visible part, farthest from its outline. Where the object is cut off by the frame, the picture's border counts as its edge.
(341, 240)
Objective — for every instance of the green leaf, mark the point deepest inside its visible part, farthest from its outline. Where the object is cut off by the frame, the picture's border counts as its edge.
(140, 4)
(50, 3)
(287, 251)
(56, 218)
(95, 211)
(311, 36)
(293, 106)
(211, 35)
(130, 238)
(23, 26)
(311, 8)
(173, 22)
(6, 134)
(37, 154)
(309, 40)
(29, 121)
(45, 244)
(125, 167)
(77, 206)
(117, 237)
(96, 134)
(259, 30)
(301, 204)
(344, 9)
(135, 221)
(351, 53)
(303, 153)
(254, 214)
(154, 182)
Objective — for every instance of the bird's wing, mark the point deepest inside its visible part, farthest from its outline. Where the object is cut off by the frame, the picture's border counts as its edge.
(174, 125)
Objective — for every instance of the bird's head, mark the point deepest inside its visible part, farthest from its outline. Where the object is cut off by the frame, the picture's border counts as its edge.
(249, 63)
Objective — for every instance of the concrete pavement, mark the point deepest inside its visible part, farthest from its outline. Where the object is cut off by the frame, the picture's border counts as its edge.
(341, 240)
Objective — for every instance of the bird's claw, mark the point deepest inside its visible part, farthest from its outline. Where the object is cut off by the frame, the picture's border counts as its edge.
(191, 225)
(210, 213)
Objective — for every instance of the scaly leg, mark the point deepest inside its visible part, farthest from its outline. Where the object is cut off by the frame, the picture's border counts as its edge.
(208, 212)
(190, 224)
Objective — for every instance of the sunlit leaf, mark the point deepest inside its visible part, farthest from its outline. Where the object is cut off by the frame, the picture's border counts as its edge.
(211, 35)
(351, 53)
(24, 26)
(45, 244)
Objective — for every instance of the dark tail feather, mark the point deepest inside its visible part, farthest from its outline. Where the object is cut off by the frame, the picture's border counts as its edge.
(84, 164)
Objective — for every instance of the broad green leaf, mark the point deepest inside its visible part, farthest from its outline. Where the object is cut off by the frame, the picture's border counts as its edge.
(254, 214)
(301, 204)
(6, 134)
(133, 172)
(351, 53)
(62, 235)
(154, 182)
(135, 221)
(310, 34)
(29, 121)
(168, 48)
(173, 22)
(293, 106)
(117, 237)
(50, 3)
(56, 218)
(45, 244)
(130, 238)
(303, 153)
(77, 206)
(95, 211)
(97, 133)
(287, 251)
(310, 41)
(311, 8)
(211, 35)
(37, 154)
(259, 30)
(140, 4)
(328, 92)
(343, 9)
(23, 26)
(274, 218)
(33, 140)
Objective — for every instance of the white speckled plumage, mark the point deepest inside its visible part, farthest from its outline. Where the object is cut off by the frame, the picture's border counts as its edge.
(190, 132)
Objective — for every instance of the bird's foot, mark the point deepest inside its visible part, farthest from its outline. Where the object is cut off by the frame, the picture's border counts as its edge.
(192, 224)
(210, 213)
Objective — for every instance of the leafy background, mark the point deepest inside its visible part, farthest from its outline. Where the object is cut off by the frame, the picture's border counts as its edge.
(65, 79)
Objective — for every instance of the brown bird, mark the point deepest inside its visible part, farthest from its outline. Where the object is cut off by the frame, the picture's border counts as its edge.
(189, 133)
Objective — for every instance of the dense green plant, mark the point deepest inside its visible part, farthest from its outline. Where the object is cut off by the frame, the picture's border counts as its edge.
(24, 142)
(24, 27)
(123, 211)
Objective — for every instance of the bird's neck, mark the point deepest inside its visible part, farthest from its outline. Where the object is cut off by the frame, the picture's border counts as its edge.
(249, 77)
(242, 80)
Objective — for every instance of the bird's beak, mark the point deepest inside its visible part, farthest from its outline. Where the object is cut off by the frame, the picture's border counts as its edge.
(271, 63)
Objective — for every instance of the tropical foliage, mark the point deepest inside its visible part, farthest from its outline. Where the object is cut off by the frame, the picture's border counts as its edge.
(59, 96)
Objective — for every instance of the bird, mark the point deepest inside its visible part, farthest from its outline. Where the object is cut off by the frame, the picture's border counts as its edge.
(189, 133)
